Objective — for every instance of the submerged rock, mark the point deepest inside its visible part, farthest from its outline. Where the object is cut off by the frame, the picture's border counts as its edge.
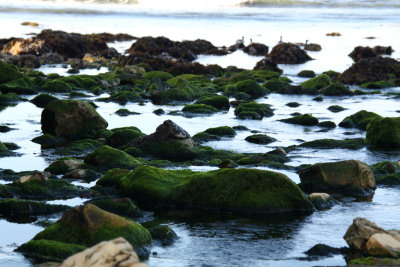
(85, 226)
(249, 191)
(116, 252)
(71, 118)
(349, 177)
(288, 53)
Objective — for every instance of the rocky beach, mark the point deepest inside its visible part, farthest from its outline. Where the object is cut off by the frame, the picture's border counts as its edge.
(164, 144)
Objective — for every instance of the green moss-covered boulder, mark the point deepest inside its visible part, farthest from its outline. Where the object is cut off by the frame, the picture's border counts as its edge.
(359, 120)
(21, 86)
(161, 75)
(306, 74)
(378, 85)
(4, 151)
(124, 135)
(221, 131)
(49, 250)
(384, 133)
(106, 157)
(42, 100)
(20, 208)
(88, 225)
(336, 108)
(120, 206)
(57, 86)
(123, 97)
(162, 234)
(276, 85)
(8, 72)
(199, 109)
(204, 137)
(64, 165)
(48, 140)
(123, 112)
(9, 98)
(251, 88)
(260, 139)
(71, 118)
(168, 150)
(219, 102)
(305, 119)
(242, 190)
(42, 190)
(317, 83)
(353, 144)
(349, 178)
(335, 89)
(327, 124)
(253, 111)
(78, 148)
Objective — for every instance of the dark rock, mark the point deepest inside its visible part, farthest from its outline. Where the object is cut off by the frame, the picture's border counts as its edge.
(384, 133)
(305, 119)
(256, 49)
(306, 74)
(288, 53)
(371, 70)
(383, 50)
(71, 118)
(267, 64)
(312, 47)
(359, 120)
(361, 52)
(42, 100)
(167, 131)
(260, 139)
(322, 250)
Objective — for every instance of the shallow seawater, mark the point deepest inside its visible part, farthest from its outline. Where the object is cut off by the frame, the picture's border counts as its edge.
(210, 239)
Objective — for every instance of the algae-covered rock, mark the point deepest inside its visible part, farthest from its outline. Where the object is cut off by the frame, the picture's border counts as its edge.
(317, 83)
(42, 190)
(71, 118)
(20, 208)
(48, 140)
(42, 100)
(8, 72)
(241, 190)
(253, 111)
(19, 86)
(378, 85)
(354, 144)
(336, 108)
(359, 120)
(305, 119)
(349, 177)
(221, 131)
(219, 102)
(169, 150)
(260, 139)
(276, 85)
(306, 74)
(384, 133)
(327, 124)
(49, 250)
(155, 75)
(123, 136)
(87, 225)
(335, 89)
(199, 108)
(249, 87)
(4, 151)
(162, 234)
(78, 148)
(120, 206)
(106, 157)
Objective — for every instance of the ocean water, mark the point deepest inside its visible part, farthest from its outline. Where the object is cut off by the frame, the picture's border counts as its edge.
(225, 240)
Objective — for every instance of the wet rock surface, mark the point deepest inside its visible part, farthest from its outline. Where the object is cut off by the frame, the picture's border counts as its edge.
(288, 53)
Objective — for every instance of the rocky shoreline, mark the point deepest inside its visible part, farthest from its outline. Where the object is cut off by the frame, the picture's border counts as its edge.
(134, 171)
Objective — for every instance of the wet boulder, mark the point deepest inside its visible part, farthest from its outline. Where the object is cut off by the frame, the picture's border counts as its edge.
(349, 178)
(383, 50)
(256, 49)
(288, 53)
(106, 157)
(304, 119)
(116, 252)
(217, 101)
(71, 119)
(359, 120)
(312, 47)
(31, 46)
(384, 245)
(253, 111)
(358, 234)
(85, 226)
(167, 131)
(23, 209)
(42, 100)
(317, 82)
(371, 70)
(120, 206)
(322, 201)
(250, 191)
(306, 74)
(260, 139)
(162, 234)
(267, 64)
(361, 52)
(384, 133)
(8, 72)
